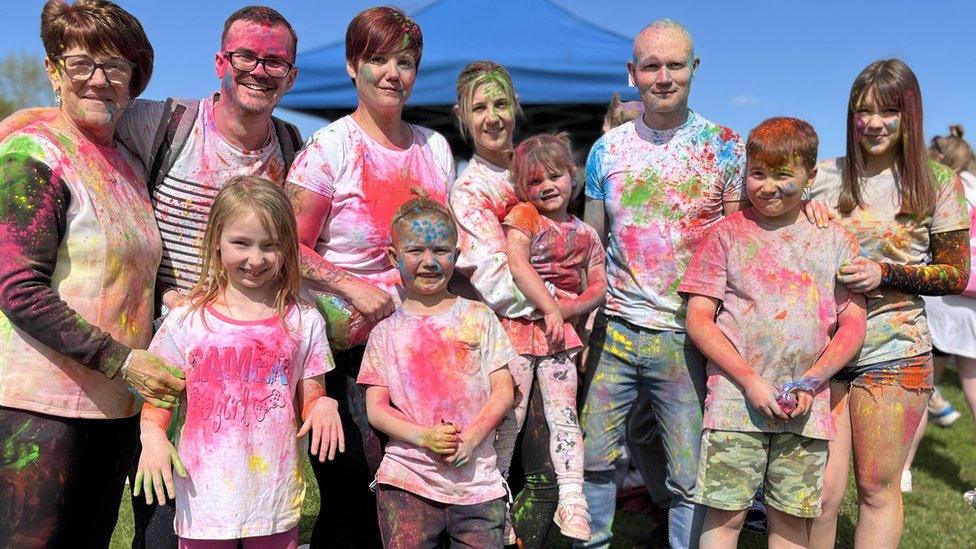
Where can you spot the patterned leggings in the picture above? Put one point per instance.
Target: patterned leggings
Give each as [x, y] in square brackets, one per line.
[556, 375]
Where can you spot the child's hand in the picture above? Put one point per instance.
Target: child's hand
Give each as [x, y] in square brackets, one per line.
[156, 464]
[567, 307]
[804, 401]
[322, 418]
[554, 328]
[442, 439]
[761, 395]
[461, 455]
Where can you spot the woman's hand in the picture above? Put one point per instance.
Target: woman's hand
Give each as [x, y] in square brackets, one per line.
[156, 464]
[322, 419]
[158, 382]
[861, 275]
[818, 212]
[761, 395]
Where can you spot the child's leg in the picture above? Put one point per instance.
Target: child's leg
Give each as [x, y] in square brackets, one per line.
[786, 531]
[508, 430]
[282, 540]
[408, 520]
[721, 528]
[557, 382]
[478, 525]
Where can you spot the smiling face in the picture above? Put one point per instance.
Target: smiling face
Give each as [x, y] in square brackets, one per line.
[250, 256]
[662, 70]
[255, 92]
[95, 103]
[776, 192]
[878, 126]
[491, 119]
[384, 81]
[549, 190]
[424, 251]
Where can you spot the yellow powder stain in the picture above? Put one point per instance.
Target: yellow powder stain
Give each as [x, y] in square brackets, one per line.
[256, 464]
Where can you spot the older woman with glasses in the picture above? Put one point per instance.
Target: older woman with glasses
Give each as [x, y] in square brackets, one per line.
[80, 252]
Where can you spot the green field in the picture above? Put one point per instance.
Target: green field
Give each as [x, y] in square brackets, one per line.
[936, 515]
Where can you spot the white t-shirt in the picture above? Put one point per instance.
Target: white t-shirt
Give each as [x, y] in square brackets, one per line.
[366, 183]
[238, 441]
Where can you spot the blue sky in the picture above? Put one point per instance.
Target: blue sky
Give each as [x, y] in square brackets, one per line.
[759, 58]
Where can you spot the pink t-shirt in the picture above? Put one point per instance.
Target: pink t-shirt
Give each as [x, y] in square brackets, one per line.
[560, 253]
[436, 368]
[780, 301]
[366, 184]
[238, 441]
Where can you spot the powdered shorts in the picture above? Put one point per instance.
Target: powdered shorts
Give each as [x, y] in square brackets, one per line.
[912, 373]
[789, 466]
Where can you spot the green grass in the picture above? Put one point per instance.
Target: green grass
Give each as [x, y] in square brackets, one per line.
[936, 516]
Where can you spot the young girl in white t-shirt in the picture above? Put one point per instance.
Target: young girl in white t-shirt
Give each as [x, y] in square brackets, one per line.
[254, 356]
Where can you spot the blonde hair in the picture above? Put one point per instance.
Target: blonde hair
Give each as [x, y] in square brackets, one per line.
[956, 152]
[620, 112]
[475, 75]
[241, 195]
[535, 155]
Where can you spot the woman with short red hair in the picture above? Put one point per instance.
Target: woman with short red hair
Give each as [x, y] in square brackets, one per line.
[345, 187]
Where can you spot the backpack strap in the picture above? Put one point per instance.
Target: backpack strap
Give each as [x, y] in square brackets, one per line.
[289, 139]
[171, 135]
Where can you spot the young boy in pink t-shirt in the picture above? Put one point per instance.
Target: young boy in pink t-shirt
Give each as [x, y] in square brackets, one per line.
[767, 311]
[438, 384]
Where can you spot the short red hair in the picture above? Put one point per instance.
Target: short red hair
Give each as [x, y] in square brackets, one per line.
[782, 140]
[539, 155]
[382, 30]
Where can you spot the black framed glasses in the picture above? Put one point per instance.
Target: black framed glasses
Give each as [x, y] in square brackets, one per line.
[247, 62]
[80, 68]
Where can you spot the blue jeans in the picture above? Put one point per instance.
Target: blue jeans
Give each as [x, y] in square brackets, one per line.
[624, 358]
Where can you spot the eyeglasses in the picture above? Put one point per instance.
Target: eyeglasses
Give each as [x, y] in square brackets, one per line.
[81, 68]
[247, 62]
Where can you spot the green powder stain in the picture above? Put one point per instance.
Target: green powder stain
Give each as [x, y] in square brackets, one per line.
[17, 454]
[69, 145]
[405, 42]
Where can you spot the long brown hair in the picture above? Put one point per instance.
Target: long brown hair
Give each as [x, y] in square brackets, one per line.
[893, 84]
[241, 195]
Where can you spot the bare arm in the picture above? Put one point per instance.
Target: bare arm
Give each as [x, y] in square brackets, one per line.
[311, 211]
[532, 285]
[498, 404]
[320, 415]
[713, 344]
[441, 439]
[595, 215]
[592, 296]
[846, 342]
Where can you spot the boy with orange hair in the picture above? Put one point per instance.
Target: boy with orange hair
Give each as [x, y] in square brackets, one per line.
[766, 310]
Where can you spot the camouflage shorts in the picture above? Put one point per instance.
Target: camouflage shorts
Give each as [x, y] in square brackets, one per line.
[733, 465]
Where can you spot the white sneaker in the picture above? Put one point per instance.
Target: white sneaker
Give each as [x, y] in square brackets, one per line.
[971, 497]
[941, 411]
[906, 482]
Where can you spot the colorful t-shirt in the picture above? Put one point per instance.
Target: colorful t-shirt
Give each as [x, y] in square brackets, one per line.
[661, 190]
[238, 441]
[780, 301]
[80, 252]
[480, 199]
[897, 327]
[366, 183]
[436, 368]
[182, 200]
[560, 253]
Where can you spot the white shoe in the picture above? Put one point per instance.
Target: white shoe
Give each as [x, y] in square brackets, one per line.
[906, 482]
[971, 497]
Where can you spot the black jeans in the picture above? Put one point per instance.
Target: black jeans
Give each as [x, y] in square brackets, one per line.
[347, 517]
[536, 502]
[61, 479]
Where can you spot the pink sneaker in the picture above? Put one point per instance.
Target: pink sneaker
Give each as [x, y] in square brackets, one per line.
[573, 519]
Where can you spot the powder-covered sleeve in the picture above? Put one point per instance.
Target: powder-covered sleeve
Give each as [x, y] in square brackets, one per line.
[732, 156]
[523, 218]
[317, 166]
[379, 351]
[34, 203]
[167, 343]
[315, 345]
[947, 274]
[707, 271]
[483, 255]
[596, 171]
[496, 349]
[951, 208]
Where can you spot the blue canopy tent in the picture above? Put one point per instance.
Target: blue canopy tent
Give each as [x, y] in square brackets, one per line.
[565, 69]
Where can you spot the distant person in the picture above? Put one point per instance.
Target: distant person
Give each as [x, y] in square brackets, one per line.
[255, 358]
[345, 187]
[766, 270]
[952, 319]
[436, 379]
[81, 249]
[653, 187]
[909, 216]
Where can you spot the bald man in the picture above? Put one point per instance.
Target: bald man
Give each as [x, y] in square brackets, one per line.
[653, 186]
